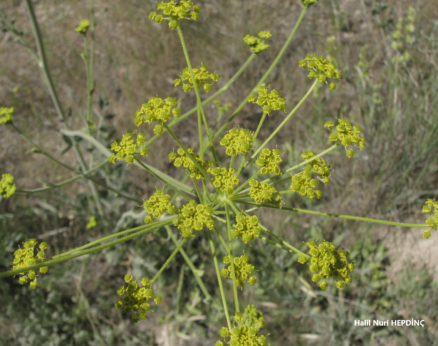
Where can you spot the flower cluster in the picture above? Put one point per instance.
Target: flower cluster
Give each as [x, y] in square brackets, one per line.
[201, 75]
[6, 115]
[25, 257]
[247, 227]
[345, 136]
[185, 161]
[304, 184]
[237, 141]
[193, 216]
[246, 333]
[157, 110]
[321, 68]
[7, 188]
[255, 44]
[156, 205]
[127, 148]
[224, 179]
[83, 27]
[268, 102]
[330, 262]
[432, 221]
[136, 298]
[242, 268]
[309, 3]
[261, 192]
[319, 166]
[269, 161]
[175, 11]
[91, 223]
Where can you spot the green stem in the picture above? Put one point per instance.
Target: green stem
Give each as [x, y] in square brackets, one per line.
[152, 226]
[80, 254]
[267, 73]
[219, 279]
[65, 182]
[151, 169]
[283, 123]
[162, 179]
[233, 272]
[168, 260]
[334, 215]
[80, 175]
[211, 98]
[45, 70]
[194, 270]
[17, 35]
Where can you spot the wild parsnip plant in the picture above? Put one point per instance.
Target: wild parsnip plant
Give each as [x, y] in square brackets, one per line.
[216, 198]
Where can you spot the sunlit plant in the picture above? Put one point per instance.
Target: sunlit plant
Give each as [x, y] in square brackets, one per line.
[217, 194]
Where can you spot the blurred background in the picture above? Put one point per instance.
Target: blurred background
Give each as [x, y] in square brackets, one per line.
[388, 53]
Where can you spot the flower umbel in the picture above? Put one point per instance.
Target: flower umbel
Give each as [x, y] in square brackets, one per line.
[25, 257]
[92, 223]
[432, 221]
[320, 68]
[136, 298]
[261, 192]
[269, 160]
[330, 262]
[247, 227]
[255, 44]
[345, 136]
[83, 27]
[224, 179]
[6, 115]
[7, 188]
[201, 75]
[242, 268]
[157, 204]
[157, 110]
[246, 330]
[237, 141]
[269, 102]
[193, 216]
[175, 11]
[185, 161]
[127, 148]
